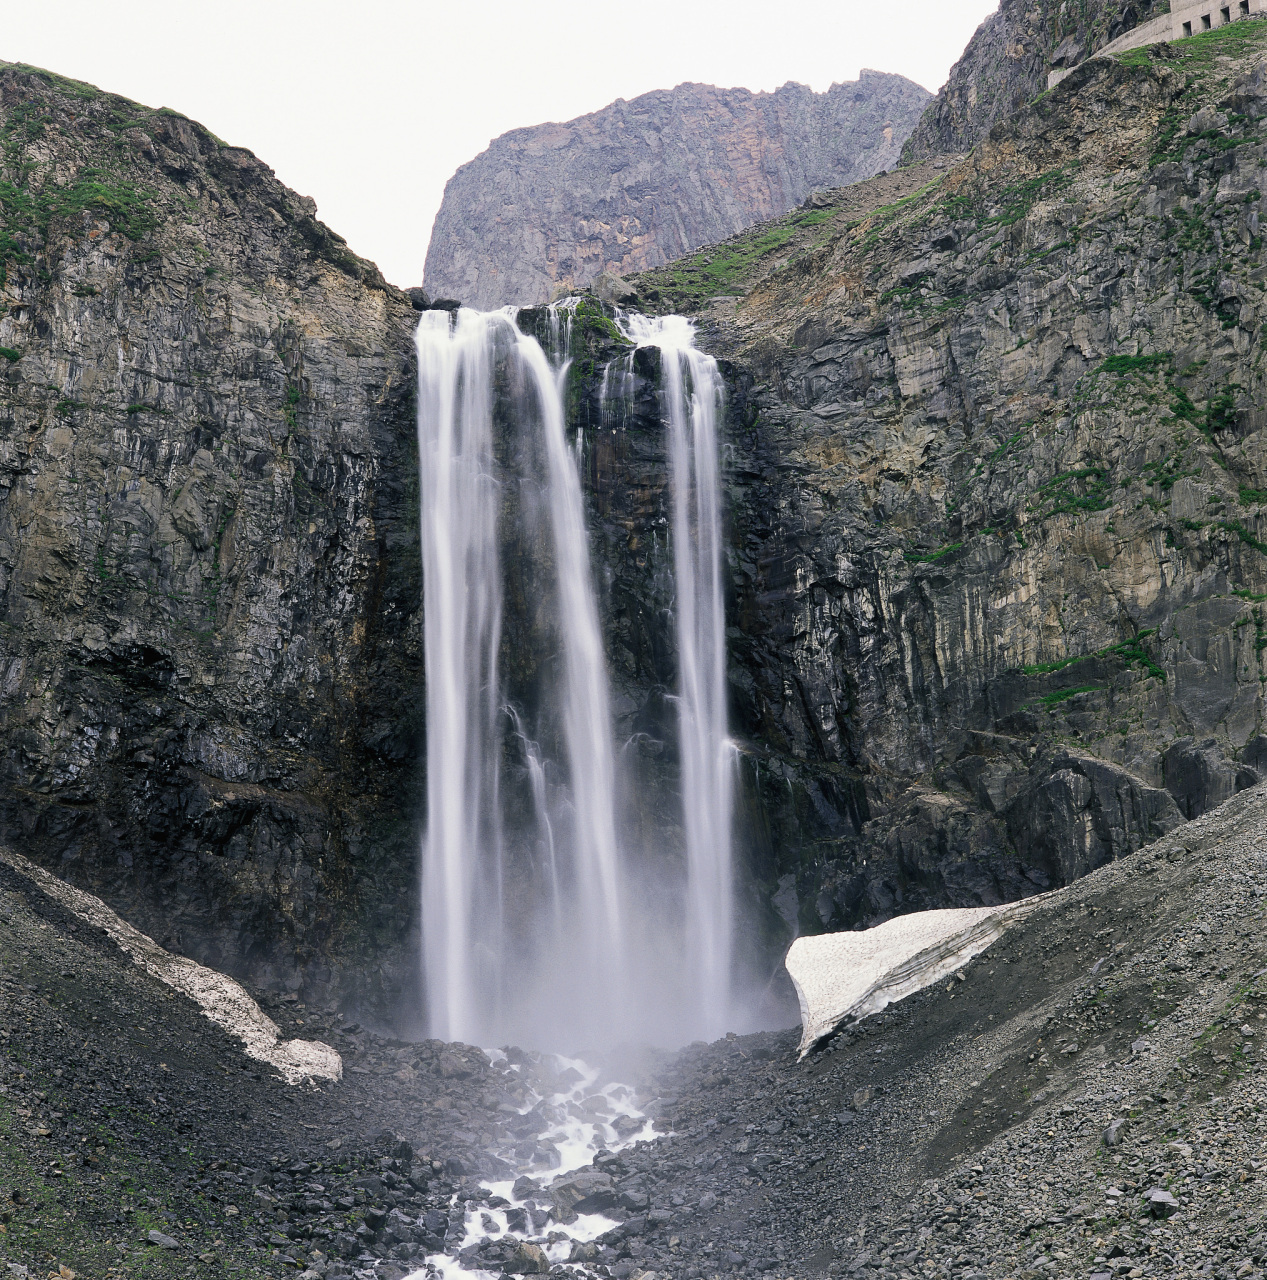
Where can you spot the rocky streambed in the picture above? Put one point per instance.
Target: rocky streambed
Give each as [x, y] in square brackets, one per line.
[1084, 1098]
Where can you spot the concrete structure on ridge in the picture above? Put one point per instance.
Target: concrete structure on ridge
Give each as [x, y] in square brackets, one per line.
[1184, 20]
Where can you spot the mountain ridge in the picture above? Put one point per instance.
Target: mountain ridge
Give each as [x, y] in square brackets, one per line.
[644, 180]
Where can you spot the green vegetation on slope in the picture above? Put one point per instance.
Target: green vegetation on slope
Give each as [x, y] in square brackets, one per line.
[735, 265]
[1131, 651]
[34, 202]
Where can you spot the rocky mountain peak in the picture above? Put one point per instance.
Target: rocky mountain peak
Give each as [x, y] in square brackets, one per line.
[1007, 62]
[642, 182]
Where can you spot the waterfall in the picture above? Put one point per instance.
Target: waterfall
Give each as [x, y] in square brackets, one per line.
[587, 705]
[541, 919]
[462, 607]
[692, 395]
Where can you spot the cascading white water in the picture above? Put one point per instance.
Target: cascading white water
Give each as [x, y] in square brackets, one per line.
[472, 973]
[692, 396]
[555, 937]
[462, 607]
[587, 1113]
[539, 786]
[587, 703]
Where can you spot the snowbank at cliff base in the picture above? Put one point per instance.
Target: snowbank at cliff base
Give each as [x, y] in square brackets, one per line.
[844, 977]
[222, 1000]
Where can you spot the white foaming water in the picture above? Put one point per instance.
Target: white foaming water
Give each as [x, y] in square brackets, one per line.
[586, 1120]
[551, 961]
[555, 939]
[587, 704]
[692, 397]
[462, 604]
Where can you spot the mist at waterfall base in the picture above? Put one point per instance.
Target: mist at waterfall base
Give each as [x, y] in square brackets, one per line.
[550, 918]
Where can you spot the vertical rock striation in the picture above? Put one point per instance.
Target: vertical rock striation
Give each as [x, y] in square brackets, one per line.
[209, 581]
[640, 183]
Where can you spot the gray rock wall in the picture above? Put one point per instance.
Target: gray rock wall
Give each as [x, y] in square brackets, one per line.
[210, 680]
[640, 183]
[1007, 61]
[999, 490]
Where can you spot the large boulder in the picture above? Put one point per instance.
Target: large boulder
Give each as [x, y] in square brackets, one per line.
[588, 1191]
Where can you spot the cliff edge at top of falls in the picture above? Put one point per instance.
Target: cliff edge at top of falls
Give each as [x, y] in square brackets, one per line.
[998, 487]
[639, 183]
[210, 676]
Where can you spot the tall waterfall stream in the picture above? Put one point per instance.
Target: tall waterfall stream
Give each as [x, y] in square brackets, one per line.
[551, 928]
[541, 929]
[692, 392]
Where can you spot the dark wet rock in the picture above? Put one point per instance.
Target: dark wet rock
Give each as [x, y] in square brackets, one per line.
[223, 619]
[1200, 776]
[1081, 812]
[457, 1066]
[525, 1187]
[587, 1187]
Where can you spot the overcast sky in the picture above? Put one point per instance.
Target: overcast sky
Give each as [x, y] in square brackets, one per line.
[369, 107]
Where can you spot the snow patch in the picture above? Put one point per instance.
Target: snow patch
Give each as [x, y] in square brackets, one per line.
[845, 977]
[220, 998]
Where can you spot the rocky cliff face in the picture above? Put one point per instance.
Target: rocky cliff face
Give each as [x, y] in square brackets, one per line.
[999, 492]
[1007, 62]
[998, 495]
[210, 682]
[640, 183]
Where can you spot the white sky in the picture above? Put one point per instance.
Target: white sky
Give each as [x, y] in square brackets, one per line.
[369, 107]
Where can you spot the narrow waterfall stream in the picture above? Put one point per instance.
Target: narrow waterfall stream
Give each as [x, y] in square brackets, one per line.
[544, 922]
[692, 393]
